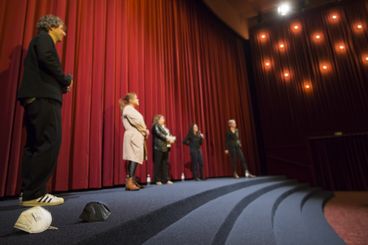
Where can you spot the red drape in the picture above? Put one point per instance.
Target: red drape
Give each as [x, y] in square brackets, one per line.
[180, 59]
[311, 80]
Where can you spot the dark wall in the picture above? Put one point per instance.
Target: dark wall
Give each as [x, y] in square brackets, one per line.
[310, 87]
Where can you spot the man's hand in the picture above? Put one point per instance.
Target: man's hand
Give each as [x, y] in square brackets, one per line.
[226, 152]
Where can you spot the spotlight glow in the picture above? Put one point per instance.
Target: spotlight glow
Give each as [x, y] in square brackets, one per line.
[296, 27]
[284, 9]
[325, 67]
[365, 59]
[263, 36]
[307, 86]
[286, 75]
[333, 17]
[358, 27]
[341, 47]
[317, 37]
[267, 64]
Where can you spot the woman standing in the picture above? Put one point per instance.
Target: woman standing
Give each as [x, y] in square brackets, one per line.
[162, 140]
[134, 151]
[234, 149]
[194, 140]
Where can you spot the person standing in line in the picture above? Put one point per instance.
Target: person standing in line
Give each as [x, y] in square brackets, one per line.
[135, 135]
[194, 140]
[234, 149]
[162, 141]
[41, 94]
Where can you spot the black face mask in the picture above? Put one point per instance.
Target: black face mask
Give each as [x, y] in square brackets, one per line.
[95, 211]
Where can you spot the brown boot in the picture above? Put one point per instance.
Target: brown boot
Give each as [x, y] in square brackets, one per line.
[130, 185]
[137, 184]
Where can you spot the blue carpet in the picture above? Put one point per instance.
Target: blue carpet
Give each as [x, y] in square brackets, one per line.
[205, 212]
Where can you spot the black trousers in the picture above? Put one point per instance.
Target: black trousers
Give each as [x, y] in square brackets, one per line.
[43, 125]
[197, 163]
[236, 154]
[160, 162]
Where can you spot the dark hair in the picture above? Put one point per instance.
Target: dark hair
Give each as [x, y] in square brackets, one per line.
[191, 130]
[45, 23]
[126, 100]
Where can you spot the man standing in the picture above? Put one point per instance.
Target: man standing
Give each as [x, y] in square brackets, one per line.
[233, 147]
[40, 93]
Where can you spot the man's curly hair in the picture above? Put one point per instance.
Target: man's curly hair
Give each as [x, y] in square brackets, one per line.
[45, 23]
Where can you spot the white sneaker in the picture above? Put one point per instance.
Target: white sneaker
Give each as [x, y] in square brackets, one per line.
[249, 175]
[45, 200]
[169, 182]
[158, 183]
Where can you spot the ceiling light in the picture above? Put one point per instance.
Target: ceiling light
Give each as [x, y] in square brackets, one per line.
[284, 9]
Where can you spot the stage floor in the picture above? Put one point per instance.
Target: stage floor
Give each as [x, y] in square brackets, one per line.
[155, 215]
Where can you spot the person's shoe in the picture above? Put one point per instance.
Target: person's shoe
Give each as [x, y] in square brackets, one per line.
[249, 175]
[158, 183]
[45, 200]
[130, 185]
[197, 179]
[137, 184]
[169, 182]
[236, 176]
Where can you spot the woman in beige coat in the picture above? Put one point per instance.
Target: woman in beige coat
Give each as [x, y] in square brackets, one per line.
[134, 150]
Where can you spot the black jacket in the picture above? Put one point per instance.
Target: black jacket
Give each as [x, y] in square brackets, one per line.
[43, 76]
[232, 140]
[159, 138]
[194, 141]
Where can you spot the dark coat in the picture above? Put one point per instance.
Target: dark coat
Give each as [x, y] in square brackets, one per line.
[43, 76]
[159, 138]
[232, 140]
[193, 141]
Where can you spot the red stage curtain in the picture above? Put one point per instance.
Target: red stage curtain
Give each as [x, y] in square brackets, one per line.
[298, 96]
[180, 59]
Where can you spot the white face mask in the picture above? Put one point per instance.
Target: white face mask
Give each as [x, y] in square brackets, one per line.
[34, 220]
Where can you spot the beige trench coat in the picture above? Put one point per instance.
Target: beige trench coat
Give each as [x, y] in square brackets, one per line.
[134, 135]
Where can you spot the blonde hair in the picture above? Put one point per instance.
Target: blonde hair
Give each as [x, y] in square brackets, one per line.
[231, 121]
[156, 118]
[126, 100]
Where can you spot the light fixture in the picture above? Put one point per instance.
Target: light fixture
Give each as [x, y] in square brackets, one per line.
[307, 86]
[333, 17]
[284, 8]
[296, 27]
[267, 64]
[325, 67]
[286, 75]
[263, 36]
[358, 27]
[365, 58]
[281, 46]
[340, 47]
[317, 37]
